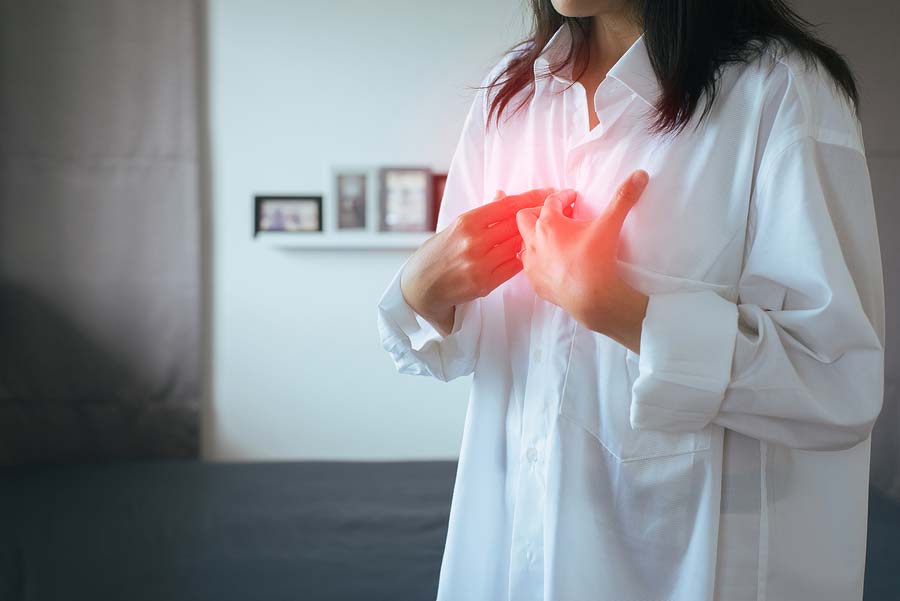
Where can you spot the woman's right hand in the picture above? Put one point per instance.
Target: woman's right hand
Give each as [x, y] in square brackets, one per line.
[468, 259]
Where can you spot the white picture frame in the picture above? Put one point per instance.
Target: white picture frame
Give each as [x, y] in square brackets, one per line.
[336, 199]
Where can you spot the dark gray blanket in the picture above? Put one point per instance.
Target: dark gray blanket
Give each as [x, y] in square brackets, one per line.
[308, 531]
[191, 530]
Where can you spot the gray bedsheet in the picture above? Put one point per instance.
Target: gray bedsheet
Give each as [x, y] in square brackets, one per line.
[190, 530]
[312, 531]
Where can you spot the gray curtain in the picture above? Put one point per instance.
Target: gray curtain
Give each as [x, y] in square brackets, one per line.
[99, 229]
[885, 466]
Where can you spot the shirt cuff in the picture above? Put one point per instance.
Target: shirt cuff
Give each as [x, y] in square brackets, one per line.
[405, 335]
[407, 323]
[687, 348]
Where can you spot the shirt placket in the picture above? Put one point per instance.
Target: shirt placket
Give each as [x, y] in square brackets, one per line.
[527, 549]
[540, 403]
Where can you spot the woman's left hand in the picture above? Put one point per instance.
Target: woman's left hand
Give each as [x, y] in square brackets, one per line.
[572, 263]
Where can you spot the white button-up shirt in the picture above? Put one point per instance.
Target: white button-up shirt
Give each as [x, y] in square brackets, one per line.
[729, 460]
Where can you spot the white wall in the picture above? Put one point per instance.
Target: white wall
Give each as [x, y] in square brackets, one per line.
[297, 371]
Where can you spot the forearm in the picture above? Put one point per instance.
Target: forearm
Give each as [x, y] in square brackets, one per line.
[417, 286]
[622, 321]
[442, 320]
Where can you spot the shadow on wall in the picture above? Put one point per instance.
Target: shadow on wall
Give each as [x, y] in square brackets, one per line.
[63, 397]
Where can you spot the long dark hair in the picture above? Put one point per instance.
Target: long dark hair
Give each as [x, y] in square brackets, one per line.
[688, 42]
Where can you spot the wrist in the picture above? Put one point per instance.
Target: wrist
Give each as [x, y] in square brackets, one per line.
[620, 318]
[626, 329]
[439, 316]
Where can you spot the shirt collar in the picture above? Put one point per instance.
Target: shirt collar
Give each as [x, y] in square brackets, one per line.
[633, 68]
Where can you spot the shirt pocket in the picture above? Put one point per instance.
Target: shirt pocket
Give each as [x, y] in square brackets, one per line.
[600, 373]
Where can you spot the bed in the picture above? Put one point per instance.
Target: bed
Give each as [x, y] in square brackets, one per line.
[256, 531]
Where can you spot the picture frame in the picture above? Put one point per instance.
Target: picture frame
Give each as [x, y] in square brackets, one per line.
[287, 214]
[368, 219]
[351, 198]
[438, 183]
[405, 199]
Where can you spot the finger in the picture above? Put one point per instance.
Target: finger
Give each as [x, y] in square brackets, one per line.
[500, 231]
[509, 205]
[503, 252]
[625, 198]
[500, 194]
[556, 203]
[525, 220]
[504, 271]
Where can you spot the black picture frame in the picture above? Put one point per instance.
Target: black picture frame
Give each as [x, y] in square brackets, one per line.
[260, 200]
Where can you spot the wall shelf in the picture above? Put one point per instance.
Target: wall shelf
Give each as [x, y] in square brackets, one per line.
[344, 240]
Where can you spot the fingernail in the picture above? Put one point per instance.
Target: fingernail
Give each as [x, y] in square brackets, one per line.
[640, 177]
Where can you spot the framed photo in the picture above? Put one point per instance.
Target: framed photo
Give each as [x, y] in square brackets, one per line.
[438, 183]
[287, 214]
[405, 199]
[350, 197]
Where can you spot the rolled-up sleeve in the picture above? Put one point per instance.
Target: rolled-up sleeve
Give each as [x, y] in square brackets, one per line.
[799, 359]
[687, 345]
[415, 346]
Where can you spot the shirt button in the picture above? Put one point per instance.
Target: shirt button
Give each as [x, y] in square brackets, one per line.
[531, 454]
[528, 555]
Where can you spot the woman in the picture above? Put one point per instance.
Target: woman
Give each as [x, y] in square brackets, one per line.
[675, 326]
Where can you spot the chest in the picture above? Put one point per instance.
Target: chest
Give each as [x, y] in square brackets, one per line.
[689, 223]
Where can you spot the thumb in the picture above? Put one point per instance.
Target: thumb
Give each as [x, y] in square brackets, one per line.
[625, 197]
[525, 220]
